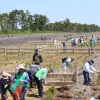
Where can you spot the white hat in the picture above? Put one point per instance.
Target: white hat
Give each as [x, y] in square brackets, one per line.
[5, 75]
[20, 66]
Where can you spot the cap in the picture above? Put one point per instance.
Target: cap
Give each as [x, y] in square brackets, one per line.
[91, 61]
[52, 69]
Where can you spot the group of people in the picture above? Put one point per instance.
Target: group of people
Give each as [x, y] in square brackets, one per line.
[23, 77]
[87, 69]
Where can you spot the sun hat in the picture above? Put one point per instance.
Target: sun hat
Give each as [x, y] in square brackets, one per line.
[5, 75]
[20, 66]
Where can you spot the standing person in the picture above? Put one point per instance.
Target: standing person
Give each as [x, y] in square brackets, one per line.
[24, 79]
[66, 62]
[75, 41]
[41, 75]
[54, 42]
[37, 57]
[6, 80]
[88, 68]
[81, 41]
[64, 45]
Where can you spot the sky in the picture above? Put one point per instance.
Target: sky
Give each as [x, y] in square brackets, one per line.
[78, 11]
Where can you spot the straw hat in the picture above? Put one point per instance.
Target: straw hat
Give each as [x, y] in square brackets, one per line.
[5, 75]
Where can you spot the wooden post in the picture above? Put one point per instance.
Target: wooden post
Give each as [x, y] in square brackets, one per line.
[42, 50]
[2, 70]
[58, 51]
[36, 43]
[20, 50]
[47, 42]
[28, 42]
[5, 50]
[73, 50]
[90, 50]
[76, 75]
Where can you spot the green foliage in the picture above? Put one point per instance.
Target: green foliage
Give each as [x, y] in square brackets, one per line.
[95, 57]
[98, 78]
[39, 24]
[82, 66]
[67, 78]
[61, 81]
[50, 93]
[79, 91]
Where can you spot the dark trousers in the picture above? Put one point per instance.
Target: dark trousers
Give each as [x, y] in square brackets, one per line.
[39, 85]
[87, 78]
[4, 91]
[31, 83]
[37, 63]
[22, 96]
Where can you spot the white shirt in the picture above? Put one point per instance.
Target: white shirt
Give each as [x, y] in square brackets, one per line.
[67, 60]
[55, 41]
[89, 68]
[76, 41]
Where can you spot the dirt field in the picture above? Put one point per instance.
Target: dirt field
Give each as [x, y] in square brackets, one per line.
[72, 92]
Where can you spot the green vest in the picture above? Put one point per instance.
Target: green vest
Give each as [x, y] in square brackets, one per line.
[92, 44]
[40, 73]
[22, 77]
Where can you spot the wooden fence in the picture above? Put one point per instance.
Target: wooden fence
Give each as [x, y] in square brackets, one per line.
[43, 49]
[56, 78]
[40, 42]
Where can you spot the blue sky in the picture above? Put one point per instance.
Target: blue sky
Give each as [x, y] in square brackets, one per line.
[80, 11]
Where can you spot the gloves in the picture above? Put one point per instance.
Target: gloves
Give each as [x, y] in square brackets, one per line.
[44, 81]
[21, 81]
[14, 80]
[39, 79]
[5, 85]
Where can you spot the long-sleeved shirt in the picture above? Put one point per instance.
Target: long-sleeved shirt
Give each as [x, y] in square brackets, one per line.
[25, 81]
[6, 81]
[31, 74]
[67, 62]
[89, 68]
[35, 67]
[37, 58]
[42, 74]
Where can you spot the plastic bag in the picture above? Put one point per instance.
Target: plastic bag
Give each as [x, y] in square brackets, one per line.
[17, 93]
[14, 86]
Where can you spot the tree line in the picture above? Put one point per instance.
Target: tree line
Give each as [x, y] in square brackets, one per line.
[22, 21]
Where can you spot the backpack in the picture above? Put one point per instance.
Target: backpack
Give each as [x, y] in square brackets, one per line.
[64, 59]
